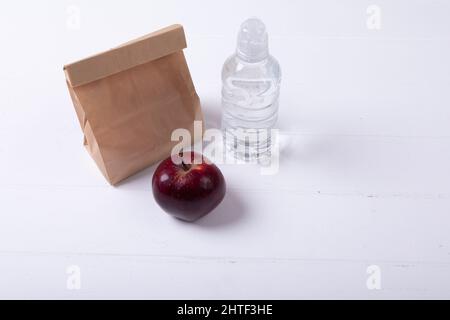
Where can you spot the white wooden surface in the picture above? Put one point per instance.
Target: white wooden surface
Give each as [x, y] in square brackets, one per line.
[364, 177]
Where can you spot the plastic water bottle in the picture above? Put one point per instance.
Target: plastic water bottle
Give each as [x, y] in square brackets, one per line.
[251, 86]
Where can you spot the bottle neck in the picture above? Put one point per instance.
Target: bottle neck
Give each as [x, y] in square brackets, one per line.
[252, 57]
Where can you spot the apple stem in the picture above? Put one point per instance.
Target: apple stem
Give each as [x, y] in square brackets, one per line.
[185, 166]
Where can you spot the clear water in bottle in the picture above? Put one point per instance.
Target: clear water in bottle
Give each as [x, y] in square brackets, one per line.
[251, 85]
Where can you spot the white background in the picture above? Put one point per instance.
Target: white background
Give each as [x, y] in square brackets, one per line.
[365, 168]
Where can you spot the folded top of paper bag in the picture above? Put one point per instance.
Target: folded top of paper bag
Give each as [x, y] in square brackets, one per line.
[134, 53]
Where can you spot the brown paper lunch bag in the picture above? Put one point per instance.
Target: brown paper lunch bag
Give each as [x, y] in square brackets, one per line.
[130, 99]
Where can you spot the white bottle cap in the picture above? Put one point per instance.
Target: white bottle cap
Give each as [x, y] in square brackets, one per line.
[253, 41]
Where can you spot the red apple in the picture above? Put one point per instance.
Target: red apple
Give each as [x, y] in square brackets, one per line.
[188, 190]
